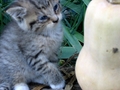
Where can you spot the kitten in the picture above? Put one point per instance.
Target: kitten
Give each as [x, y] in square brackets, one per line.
[29, 45]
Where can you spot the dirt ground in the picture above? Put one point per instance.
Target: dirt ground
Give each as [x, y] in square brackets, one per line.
[68, 70]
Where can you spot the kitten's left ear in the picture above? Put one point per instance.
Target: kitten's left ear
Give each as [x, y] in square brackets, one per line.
[17, 12]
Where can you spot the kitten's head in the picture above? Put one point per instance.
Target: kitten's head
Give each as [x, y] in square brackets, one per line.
[35, 14]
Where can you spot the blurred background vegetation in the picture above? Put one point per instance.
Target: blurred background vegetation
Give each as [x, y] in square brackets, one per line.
[73, 17]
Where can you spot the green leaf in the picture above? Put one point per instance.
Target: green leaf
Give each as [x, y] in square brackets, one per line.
[73, 41]
[79, 36]
[76, 8]
[66, 52]
[86, 2]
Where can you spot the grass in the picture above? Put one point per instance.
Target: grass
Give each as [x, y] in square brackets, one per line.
[73, 18]
[4, 18]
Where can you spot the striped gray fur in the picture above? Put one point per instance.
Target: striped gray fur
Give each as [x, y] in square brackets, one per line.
[29, 45]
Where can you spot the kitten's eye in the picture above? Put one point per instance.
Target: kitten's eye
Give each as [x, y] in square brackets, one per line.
[44, 18]
[55, 7]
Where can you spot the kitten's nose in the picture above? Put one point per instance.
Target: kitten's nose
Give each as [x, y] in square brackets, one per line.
[56, 20]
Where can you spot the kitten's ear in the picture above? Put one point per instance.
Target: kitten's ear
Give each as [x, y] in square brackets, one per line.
[17, 12]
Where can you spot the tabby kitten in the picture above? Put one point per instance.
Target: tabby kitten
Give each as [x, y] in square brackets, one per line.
[29, 45]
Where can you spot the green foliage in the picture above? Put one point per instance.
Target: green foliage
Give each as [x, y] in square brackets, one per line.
[73, 17]
[4, 18]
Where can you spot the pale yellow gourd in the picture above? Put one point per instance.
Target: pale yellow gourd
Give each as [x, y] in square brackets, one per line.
[98, 64]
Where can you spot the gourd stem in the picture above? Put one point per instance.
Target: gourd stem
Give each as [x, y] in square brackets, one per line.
[114, 1]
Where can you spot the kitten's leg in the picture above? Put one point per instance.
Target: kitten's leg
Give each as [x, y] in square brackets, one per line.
[54, 59]
[54, 77]
[49, 72]
[4, 86]
[21, 86]
[44, 81]
[40, 80]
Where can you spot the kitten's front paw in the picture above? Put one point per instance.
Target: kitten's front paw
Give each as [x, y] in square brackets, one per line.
[58, 86]
[21, 86]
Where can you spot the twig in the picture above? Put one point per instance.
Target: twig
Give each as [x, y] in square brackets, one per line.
[69, 59]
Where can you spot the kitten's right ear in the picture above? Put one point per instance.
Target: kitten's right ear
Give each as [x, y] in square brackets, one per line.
[17, 12]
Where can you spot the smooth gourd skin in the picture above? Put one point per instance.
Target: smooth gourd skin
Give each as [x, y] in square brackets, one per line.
[98, 64]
